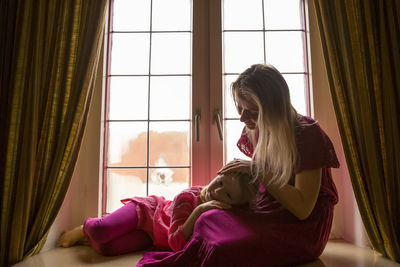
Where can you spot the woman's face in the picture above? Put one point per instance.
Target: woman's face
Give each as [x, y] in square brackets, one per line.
[224, 188]
[248, 112]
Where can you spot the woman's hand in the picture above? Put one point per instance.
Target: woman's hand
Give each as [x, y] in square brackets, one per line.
[236, 165]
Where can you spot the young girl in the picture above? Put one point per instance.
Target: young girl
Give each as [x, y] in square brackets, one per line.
[166, 224]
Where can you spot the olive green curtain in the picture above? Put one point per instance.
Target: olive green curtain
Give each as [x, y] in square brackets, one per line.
[49, 53]
[361, 43]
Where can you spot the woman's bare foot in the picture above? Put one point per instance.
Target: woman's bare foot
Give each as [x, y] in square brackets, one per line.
[72, 237]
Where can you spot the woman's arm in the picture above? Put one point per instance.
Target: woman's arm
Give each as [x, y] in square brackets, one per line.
[299, 199]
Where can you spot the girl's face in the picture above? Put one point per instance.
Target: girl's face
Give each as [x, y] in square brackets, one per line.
[248, 112]
[224, 188]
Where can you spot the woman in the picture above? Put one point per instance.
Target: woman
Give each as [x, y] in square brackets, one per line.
[290, 154]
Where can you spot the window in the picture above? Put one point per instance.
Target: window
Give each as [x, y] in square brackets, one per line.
[149, 86]
[170, 121]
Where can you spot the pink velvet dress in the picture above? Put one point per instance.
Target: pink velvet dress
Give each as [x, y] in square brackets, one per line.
[156, 216]
[272, 236]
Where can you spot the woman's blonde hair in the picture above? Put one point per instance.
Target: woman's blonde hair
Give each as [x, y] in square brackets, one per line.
[275, 150]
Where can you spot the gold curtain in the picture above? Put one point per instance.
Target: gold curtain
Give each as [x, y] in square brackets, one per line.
[49, 52]
[361, 43]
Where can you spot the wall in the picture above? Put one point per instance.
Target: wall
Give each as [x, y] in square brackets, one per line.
[347, 221]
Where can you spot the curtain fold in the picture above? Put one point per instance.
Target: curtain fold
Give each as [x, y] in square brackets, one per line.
[360, 40]
[48, 59]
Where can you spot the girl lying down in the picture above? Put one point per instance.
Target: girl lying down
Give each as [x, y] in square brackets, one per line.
[165, 224]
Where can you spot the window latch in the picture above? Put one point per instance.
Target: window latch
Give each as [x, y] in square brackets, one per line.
[197, 118]
[217, 119]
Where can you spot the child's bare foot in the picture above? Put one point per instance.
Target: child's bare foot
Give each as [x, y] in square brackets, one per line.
[71, 237]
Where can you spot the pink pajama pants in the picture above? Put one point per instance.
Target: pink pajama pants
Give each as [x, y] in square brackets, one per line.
[116, 233]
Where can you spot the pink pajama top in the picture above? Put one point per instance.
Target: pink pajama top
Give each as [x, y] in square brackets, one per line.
[157, 216]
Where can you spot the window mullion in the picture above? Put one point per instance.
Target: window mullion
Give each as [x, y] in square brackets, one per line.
[200, 93]
[216, 93]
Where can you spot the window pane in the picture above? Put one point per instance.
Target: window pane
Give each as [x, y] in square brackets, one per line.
[234, 128]
[171, 15]
[128, 98]
[130, 53]
[170, 98]
[241, 50]
[285, 51]
[171, 53]
[124, 183]
[127, 144]
[282, 14]
[296, 83]
[243, 15]
[169, 143]
[229, 104]
[168, 182]
[131, 15]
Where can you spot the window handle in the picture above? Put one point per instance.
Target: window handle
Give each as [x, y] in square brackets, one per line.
[197, 118]
[217, 119]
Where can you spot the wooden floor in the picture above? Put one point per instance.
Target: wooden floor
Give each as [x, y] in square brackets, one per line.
[336, 254]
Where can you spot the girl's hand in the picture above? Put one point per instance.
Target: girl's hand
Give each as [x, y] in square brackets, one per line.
[188, 226]
[213, 204]
[236, 165]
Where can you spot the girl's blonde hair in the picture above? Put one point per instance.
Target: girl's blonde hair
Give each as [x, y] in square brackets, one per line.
[275, 151]
[249, 188]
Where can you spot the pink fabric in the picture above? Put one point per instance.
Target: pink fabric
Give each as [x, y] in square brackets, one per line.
[157, 216]
[272, 236]
[116, 233]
